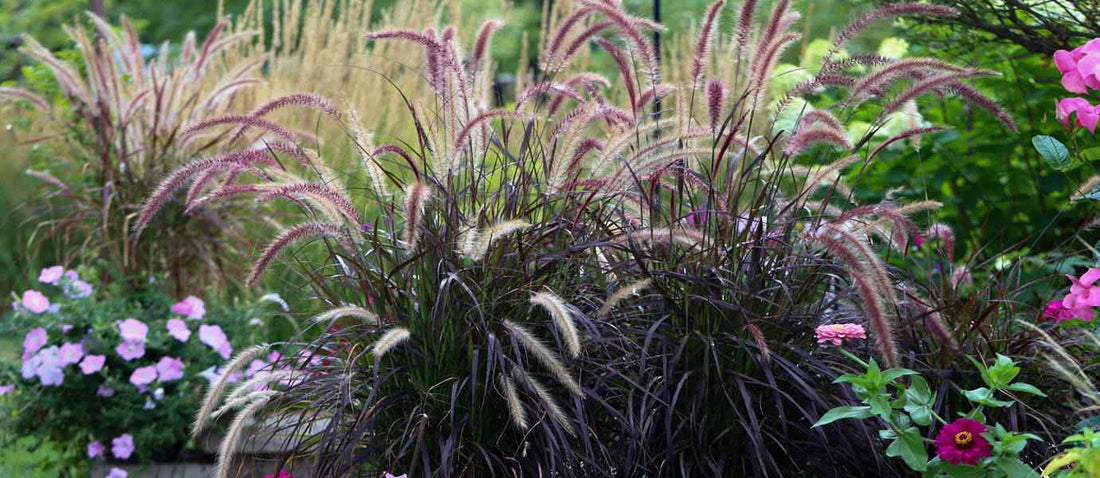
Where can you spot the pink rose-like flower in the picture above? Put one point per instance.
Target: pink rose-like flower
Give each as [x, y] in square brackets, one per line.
[35, 301]
[33, 341]
[6, 389]
[191, 306]
[214, 337]
[51, 275]
[838, 333]
[133, 330]
[71, 353]
[1083, 296]
[1079, 67]
[169, 369]
[92, 364]
[144, 375]
[117, 473]
[178, 330]
[961, 442]
[96, 449]
[1087, 115]
[130, 350]
[122, 446]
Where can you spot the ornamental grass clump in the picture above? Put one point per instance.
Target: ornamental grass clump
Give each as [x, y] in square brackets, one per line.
[117, 121]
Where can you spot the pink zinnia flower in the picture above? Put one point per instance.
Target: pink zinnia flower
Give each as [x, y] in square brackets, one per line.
[35, 301]
[133, 330]
[51, 275]
[191, 306]
[96, 449]
[838, 333]
[33, 341]
[214, 337]
[178, 330]
[122, 446]
[117, 473]
[169, 369]
[144, 376]
[961, 442]
[130, 350]
[92, 364]
[71, 353]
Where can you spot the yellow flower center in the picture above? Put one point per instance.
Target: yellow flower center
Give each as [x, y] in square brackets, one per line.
[963, 438]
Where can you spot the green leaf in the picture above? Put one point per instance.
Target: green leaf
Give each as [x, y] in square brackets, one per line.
[895, 373]
[1091, 154]
[1014, 468]
[841, 413]
[963, 471]
[984, 396]
[1053, 151]
[909, 447]
[1025, 388]
[1002, 372]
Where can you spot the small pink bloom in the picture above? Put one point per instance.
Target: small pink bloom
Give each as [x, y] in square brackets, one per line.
[961, 442]
[178, 330]
[144, 376]
[838, 333]
[6, 389]
[117, 473]
[191, 306]
[133, 330]
[169, 369]
[71, 353]
[130, 350]
[214, 337]
[96, 449]
[105, 391]
[51, 275]
[33, 341]
[122, 446]
[92, 364]
[35, 301]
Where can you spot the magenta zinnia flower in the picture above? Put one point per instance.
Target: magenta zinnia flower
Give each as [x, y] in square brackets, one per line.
[961, 442]
[838, 333]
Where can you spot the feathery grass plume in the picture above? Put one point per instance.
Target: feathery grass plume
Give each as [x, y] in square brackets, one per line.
[976, 98]
[820, 116]
[807, 137]
[744, 28]
[944, 233]
[347, 311]
[662, 235]
[515, 406]
[868, 273]
[322, 194]
[217, 389]
[476, 243]
[628, 27]
[901, 9]
[478, 120]
[241, 120]
[366, 157]
[562, 318]
[20, 94]
[550, 62]
[824, 172]
[392, 338]
[551, 404]
[582, 39]
[878, 81]
[761, 341]
[560, 90]
[416, 195]
[909, 133]
[66, 76]
[228, 448]
[702, 44]
[654, 94]
[918, 207]
[482, 44]
[243, 399]
[933, 321]
[626, 72]
[254, 384]
[716, 97]
[544, 355]
[1087, 187]
[311, 229]
[307, 100]
[931, 84]
[621, 294]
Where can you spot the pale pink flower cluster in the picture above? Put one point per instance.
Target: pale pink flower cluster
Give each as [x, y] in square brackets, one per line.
[838, 333]
[1083, 295]
[1079, 68]
[192, 307]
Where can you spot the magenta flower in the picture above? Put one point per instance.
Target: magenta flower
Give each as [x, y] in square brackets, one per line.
[1057, 312]
[280, 474]
[169, 369]
[122, 446]
[92, 364]
[1079, 67]
[1087, 114]
[33, 341]
[838, 333]
[35, 301]
[130, 350]
[178, 330]
[191, 306]
[133, 330]
[961, 442]
[144, 376]
[6, 389]
[71, 353]
[214, 337]
[96, 449]
[51, 275]
[1083, 295]
[117, 473]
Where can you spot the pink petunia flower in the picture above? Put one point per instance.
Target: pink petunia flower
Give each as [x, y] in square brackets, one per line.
[35, 301]
[122, 446]
[71, 353]
[92, 364]
[838, 333]
[133, 330]
[117, 473]
[191, 306]
[178, 330]
[6, 389]
[78, 290]
[214, 337]
[130, 350]
[105, 391]
[961, 442]
[96, 449]
[144, 375]
[51, 275]
[33, 341]
[169, 369]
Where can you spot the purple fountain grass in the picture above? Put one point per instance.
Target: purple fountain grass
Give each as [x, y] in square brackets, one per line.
[241, 120]
[807, 137]
[482, 44]
[931, 84]
[976, 98]
[943, 232]
[933, 321]
[322, 193]
[716, 98]
[628, 27]
[626, 72]
[551, 63]
[547, 87]
[416, 196]
[308, 230]
[896, 10]
[480, 119]
[703, 41]
[744, 27]
[18, 93]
